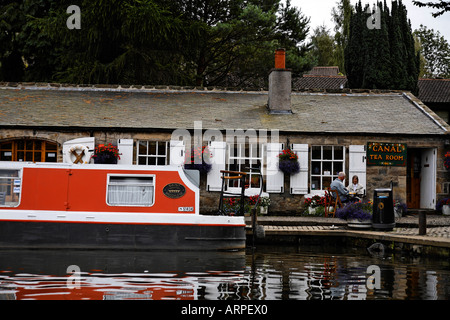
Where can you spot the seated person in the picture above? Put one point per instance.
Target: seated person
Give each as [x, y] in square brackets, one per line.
[338, 185]
[355, 187]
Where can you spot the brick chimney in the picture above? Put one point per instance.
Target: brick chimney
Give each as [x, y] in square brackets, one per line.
[280, 86]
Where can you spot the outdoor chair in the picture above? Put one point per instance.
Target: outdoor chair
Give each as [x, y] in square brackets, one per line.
[334, 201]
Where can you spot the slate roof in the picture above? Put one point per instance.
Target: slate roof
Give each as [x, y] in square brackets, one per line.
[434, 90]
[320, 82]
[324, 71]
[321, 78]
[144, 108]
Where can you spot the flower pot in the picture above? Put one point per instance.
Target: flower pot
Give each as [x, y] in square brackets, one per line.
[202, 167]
[446, 210]
[398, 213]
[105, 158]
[358, 224]
[263, 210]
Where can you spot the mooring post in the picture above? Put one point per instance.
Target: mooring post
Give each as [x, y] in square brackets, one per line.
[253, 211]
[422, 222]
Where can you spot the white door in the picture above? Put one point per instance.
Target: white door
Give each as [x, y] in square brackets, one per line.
[357, 166]
[428, 179]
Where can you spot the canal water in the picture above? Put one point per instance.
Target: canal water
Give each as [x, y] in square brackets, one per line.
[264, 273]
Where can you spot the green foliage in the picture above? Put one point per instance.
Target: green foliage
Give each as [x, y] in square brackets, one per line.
[441, 5]
[384, 57]
[179, 42]
[435, 51]
[323, 47]
[341, 16]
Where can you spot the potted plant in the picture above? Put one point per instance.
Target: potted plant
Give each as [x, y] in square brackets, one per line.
[357, 214]
[400, 208]
[447, 160]
[231, 206]
[444, 206]
[196, 160]
[314, 204]
[106, 154]
[288, 162]
[264, 204]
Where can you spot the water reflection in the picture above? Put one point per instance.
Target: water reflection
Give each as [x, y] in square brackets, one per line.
[267, 273]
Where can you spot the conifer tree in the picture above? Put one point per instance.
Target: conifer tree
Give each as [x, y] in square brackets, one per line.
[383, 56]
[354, 52]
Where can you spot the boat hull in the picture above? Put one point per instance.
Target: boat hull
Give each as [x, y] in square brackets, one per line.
[121, 236]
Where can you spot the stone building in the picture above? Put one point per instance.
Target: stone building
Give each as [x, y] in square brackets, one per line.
[330, 131]
[321, 78]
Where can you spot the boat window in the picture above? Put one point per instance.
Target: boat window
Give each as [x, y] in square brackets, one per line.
[10, 188]
[125, 190]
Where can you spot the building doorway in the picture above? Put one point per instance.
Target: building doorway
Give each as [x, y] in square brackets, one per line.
[31, 150]
[421, 178]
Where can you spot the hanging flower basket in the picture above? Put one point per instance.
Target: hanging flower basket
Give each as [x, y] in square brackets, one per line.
[196, 160]
[108, 154]
[447, 160]
[288, 162]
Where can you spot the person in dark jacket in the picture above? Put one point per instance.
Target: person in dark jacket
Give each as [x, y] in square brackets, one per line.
[338, 185]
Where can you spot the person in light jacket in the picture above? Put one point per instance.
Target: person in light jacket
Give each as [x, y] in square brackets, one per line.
[356, 187]
[338, 185]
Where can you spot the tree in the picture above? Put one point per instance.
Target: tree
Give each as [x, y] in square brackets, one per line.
[179, 42]
[292, 28]
[341, 17]
[239, 38]
[323, 47]
[435, 51]
[25, 53]
[377, 50]
[442, 6]
[383, 56]
[354, 51]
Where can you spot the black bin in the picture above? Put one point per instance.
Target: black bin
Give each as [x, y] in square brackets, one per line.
[383, 209]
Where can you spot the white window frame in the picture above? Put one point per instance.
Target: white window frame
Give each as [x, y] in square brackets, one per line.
[333, 173]
[156, 156]
[109, 183]
[16, 182]
[238, 158]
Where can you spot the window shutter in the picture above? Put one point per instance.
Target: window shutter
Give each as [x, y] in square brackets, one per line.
[218, 151]
[357, 165]
[274, 177]
[125, 147]
[299, 181]
[177, 153]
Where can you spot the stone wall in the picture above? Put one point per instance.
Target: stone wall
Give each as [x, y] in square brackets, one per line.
[285, 203]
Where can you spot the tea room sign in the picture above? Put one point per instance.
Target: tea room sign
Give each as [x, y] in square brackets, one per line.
[386, 154]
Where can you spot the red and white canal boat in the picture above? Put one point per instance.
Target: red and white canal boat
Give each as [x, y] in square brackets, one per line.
[94, 206]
